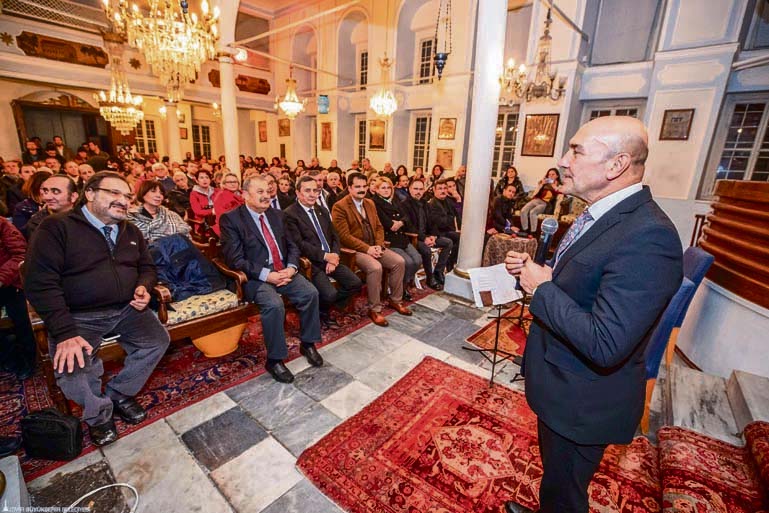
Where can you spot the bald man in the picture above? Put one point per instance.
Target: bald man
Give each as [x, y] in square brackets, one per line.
[595, 305]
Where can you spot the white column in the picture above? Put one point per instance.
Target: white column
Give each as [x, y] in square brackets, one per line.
[489, 56]
[229, 114]
[172, 133]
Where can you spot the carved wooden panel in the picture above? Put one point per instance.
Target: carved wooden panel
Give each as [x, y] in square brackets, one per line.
[737, 234]
[244, 83]
[46, 47]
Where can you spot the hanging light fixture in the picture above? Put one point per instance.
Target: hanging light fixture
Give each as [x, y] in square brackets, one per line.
[440, 58]
[118, 106]
[383, 103]
[543, 86]
[174, 42]
[290, 104]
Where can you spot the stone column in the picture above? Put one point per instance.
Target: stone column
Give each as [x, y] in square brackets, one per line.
[172, 133]
[229, 114]
[489, 57]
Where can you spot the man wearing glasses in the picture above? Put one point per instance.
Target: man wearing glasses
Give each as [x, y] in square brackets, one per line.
[88, 277]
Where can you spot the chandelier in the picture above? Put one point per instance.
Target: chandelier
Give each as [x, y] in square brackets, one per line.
[118, 106]
[290, 104]
[543, 86]
[163, 111]
[383, 103]
[440, 58]
[174, 42]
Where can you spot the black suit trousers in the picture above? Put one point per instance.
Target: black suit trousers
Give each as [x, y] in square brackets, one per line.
[568, 468]
[349, 285]
[445, 245]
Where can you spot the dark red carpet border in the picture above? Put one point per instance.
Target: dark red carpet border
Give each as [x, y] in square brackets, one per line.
[441, 441]
[182, 378]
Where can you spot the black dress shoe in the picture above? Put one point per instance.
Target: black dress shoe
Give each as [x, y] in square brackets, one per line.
[9, 445]
[327, 321]
[280, 372]
[129, 410]
[439, 277]
[407, 296]
[312, 355]
[433, 284]
[103, 434]
[512, 507]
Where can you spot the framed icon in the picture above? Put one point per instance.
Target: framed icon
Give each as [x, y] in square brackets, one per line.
[183, 133]
[676, 124]
[376, 135]
[284, 127]
[539, 135]
[447, 128]
[325, 136]
[445, 157]
[262, 131]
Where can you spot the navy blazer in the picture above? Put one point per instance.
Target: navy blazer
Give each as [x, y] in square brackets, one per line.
[585, 354]
[302, 232]
[245, 249]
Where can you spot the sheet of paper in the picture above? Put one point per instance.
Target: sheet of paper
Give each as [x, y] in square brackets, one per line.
[494, 279]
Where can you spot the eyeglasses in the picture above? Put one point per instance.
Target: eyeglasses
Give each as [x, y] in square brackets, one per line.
[115, 193]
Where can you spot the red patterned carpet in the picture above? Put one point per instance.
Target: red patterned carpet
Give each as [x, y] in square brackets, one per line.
[441, 441]
[512, 339]
[183, 377]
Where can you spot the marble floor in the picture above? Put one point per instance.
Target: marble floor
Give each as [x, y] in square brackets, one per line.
[236, 451]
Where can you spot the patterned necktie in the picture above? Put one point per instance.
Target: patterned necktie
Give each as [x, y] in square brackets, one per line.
[321, 236]
[572, 234]
[277, 263]
[108, 235]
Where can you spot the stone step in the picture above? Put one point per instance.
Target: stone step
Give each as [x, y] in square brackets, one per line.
[16, 497]
[749, 397]
[699, 402]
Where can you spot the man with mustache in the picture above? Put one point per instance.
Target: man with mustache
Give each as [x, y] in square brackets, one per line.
[59, 193]
[89, 275]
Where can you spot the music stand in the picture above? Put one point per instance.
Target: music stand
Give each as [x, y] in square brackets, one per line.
[518, 360]
[495, 351]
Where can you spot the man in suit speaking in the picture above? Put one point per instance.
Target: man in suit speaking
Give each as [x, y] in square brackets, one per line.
[254, 241]
[594, 307]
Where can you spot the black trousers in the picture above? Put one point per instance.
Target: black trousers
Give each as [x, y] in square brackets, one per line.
[425, 252]
[568, 468]
[349, 285]
[20, 355]
[454, 237]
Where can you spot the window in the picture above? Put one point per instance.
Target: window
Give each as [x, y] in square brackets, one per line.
[426, 62]
[601, 108]
[421, 146]
[146, 141]
[504, 142]
[599, 113]
[741, 147]
[201, 140]
[361, 139]
[758, 36]
[363, 71]
[633, 39]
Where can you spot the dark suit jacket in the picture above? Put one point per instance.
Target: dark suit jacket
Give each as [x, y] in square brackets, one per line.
[441, 216]
[302, 232]
[388, 213]
[245, 249]
[585, 355]
[416, 218]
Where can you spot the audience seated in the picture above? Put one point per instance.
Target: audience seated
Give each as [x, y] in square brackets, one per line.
[334, 186]
[202, 198]
[254, 241]
[454, 199]
[402, 187]
[503, 211]
[178, 198]
[310, 226]
[323, 194]
[32, 154]
[461, 178]
[151, 217]
[59, 194]
[416, 212]
[356, 221]
[89, 275]
[25, 209]
[511, 178]
[436, 175]
[286, 192]
[161, 175]
[394, 221]
[442, 217]
[10, 185]
[229, 198]
[543, 199]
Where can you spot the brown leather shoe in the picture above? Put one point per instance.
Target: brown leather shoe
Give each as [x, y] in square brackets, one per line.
[399, 307]
[377, 318]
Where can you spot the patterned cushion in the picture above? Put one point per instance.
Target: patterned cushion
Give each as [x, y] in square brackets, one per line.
[704, 475]
[757, 437]
[200, 306]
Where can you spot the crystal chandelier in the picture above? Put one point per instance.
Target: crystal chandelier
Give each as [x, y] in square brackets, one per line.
[290, 104]
[118, 106]
[383, 103]
[516, 81]
[163, 111]
[174, 42]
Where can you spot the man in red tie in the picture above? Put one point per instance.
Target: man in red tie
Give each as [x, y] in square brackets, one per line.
[255, 242]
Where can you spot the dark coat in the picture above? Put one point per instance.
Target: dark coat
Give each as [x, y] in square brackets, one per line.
[13, 248]
[302, 231]
[388, 213]
[584, 361]
[183, 268]
[441, 216]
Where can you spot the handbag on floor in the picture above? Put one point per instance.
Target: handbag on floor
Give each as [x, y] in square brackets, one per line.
[52, 435]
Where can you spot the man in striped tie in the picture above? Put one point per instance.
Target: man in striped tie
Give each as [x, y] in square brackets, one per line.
[595, 305]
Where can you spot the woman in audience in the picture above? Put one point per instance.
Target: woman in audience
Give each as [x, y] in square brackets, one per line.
[25, 209]
[511, 177]
[202, 199]
[401, 171]
[286, 194]
[419, 174]
[228, 198]
[394, 220]
[373, 186]
[218, 176]
[546, 194]
[276, 169]
[151, 217]
[435, 175]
